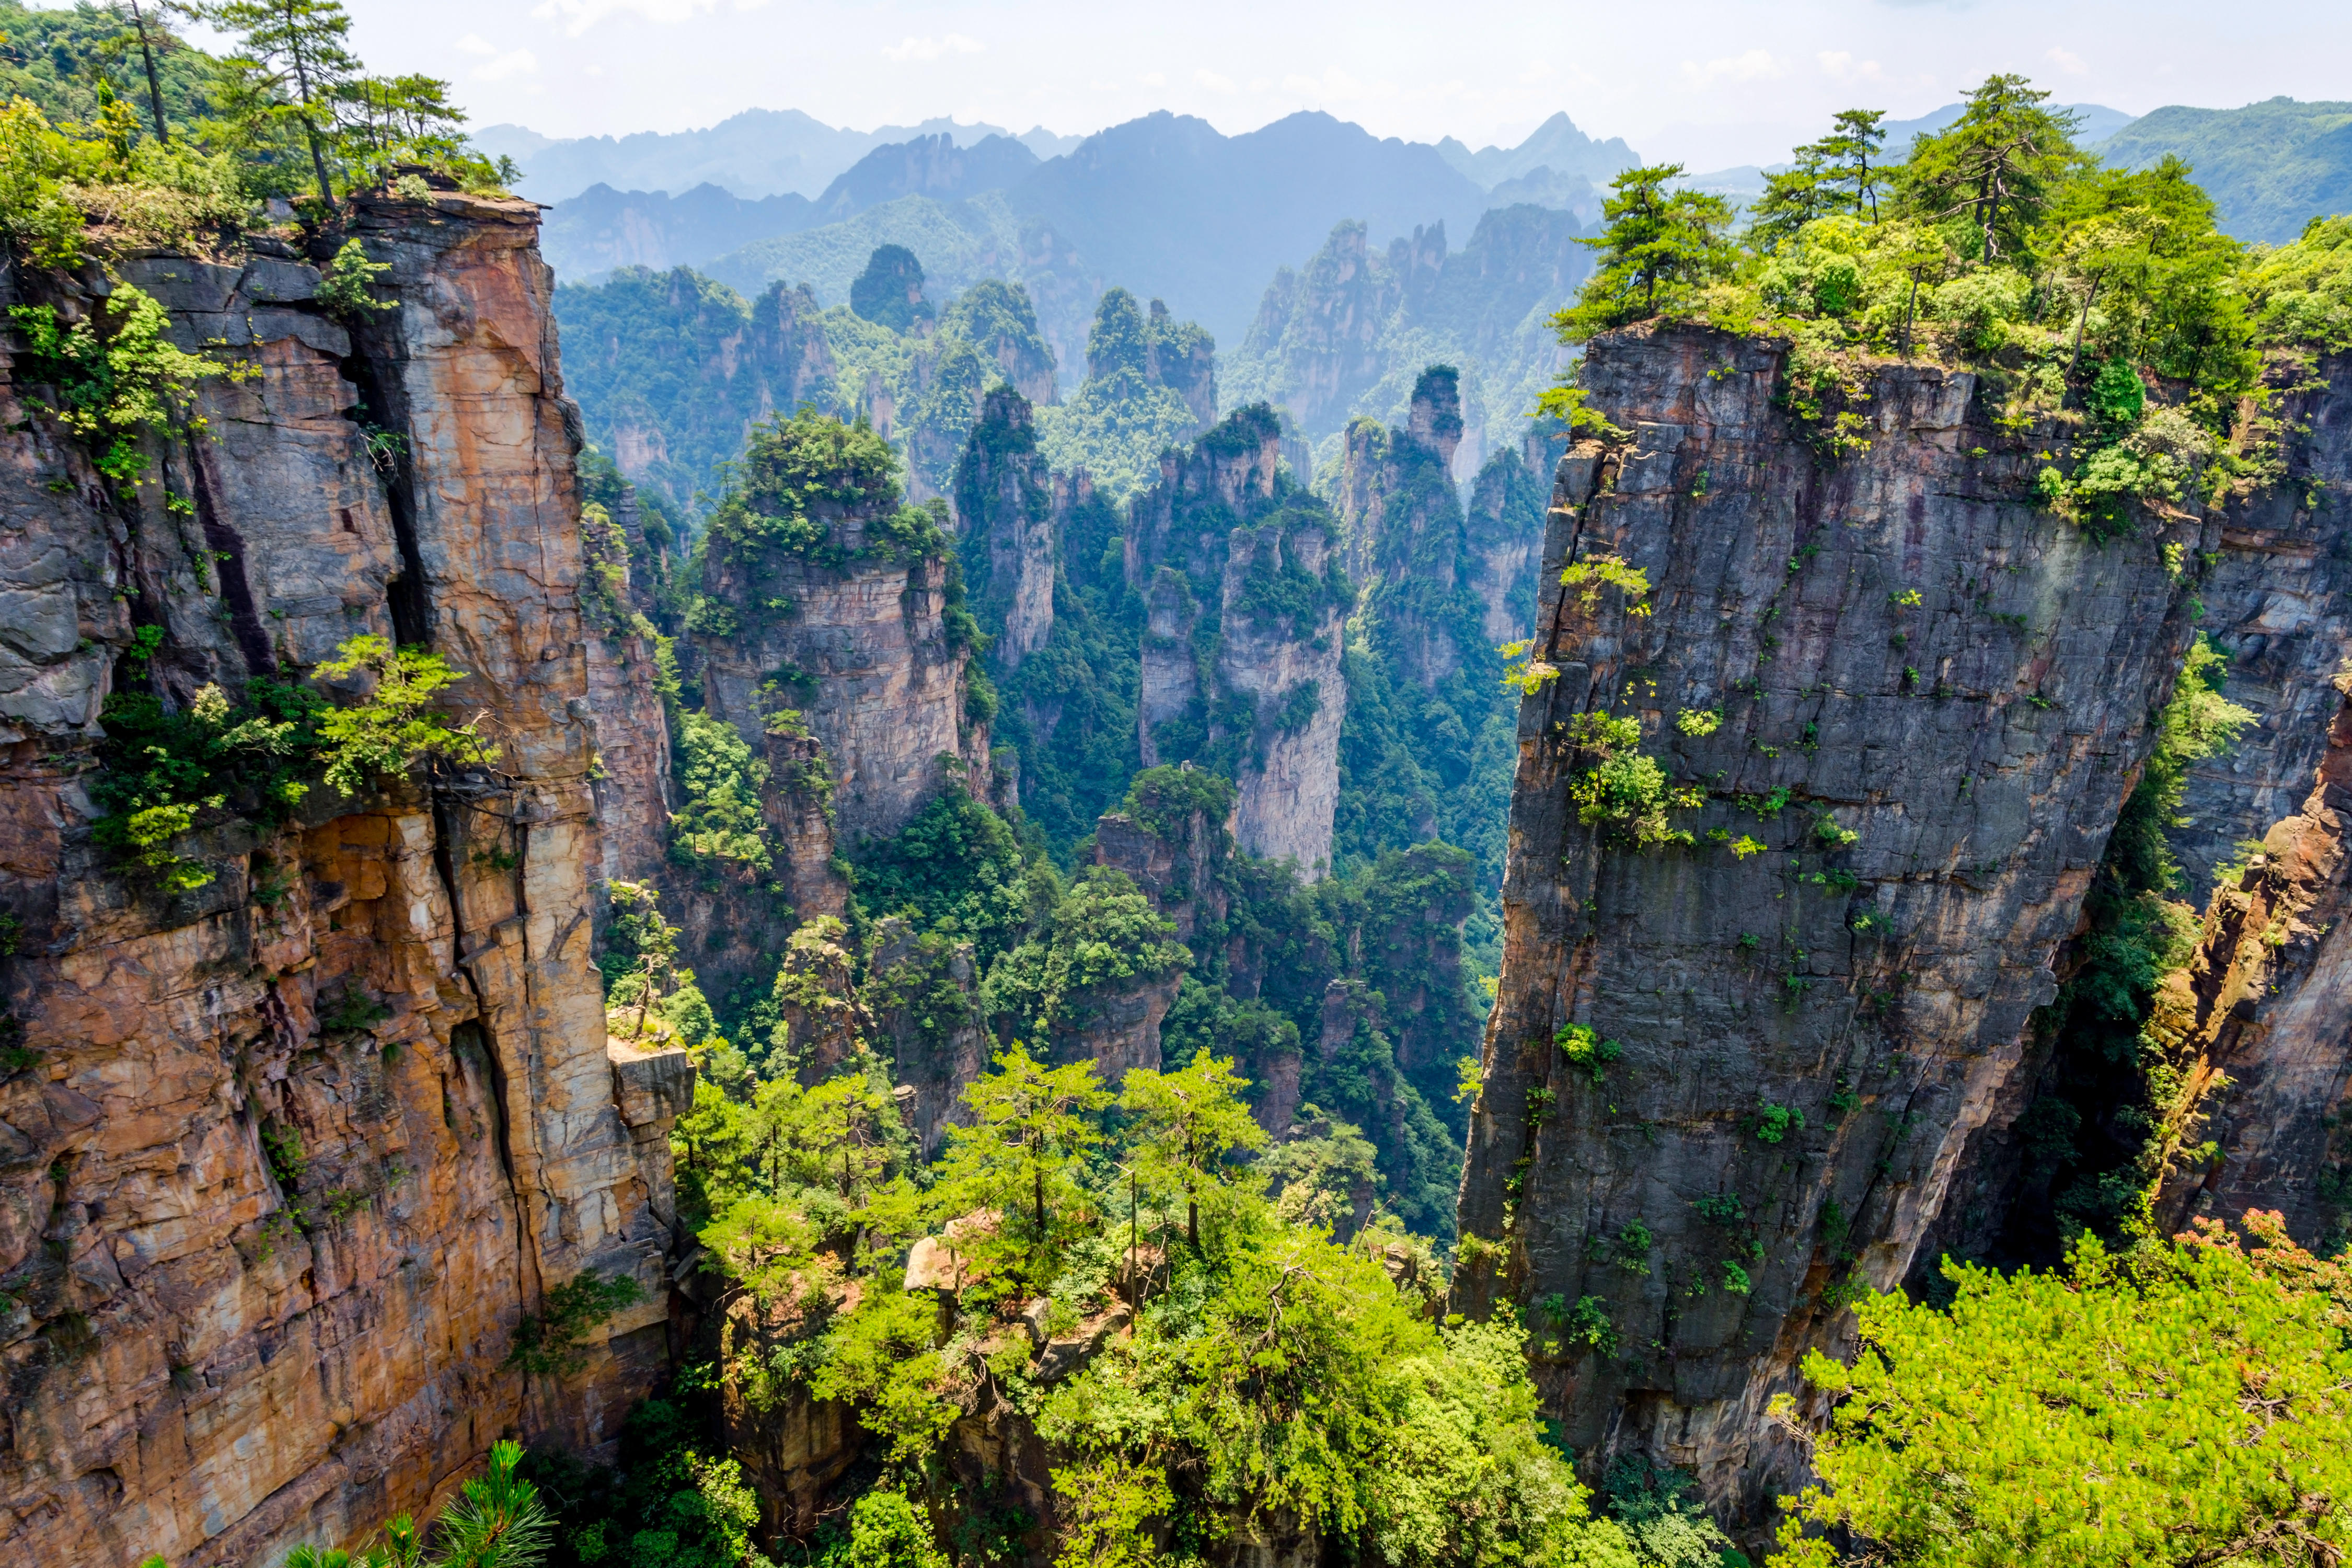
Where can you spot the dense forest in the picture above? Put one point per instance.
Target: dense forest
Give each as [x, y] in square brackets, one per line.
[1081, 813]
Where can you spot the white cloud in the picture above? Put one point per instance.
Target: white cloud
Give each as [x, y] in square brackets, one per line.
[475, 44]
[514, 62]
[1541, 71]
[2070, 62]
[1155, 78]
[1841, 65]
[1755, 65]
[1214, 82]
[578, 15]
[931, 48]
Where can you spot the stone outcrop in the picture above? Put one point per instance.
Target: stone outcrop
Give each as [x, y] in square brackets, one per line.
[630, 732]
[922, 993]
[1916, 702]
[1404, 530]
[864, 652]
[1230, 557]
[1503, 533]
[2278, 600]
[1285, 669]
[1007, 501]
[285, 1157]
[2259, 1019]
[1344, 336]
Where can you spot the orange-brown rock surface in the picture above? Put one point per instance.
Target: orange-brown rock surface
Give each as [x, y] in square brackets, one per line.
[285, 1158]
[2262, 1013]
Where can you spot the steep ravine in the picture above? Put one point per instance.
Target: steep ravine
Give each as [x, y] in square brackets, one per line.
[284, 1158]
[1916, 702]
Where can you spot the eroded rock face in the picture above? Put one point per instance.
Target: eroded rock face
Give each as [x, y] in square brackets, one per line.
[1287, 784]
[2278, 600]
[865, 654]
[1007, 500]
[288, 1155]
[1241, 658]
[1916, 702]
[2263, 1005]
[1404, 528]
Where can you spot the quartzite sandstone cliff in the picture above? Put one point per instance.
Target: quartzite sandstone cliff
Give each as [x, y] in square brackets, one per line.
[1933, 696]
[284, 1159]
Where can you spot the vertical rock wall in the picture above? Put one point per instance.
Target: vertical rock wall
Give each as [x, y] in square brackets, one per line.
[1005, 502]
[2262, 1009]
[865, 654]
[284, 1158]
[1242, 645]
[1281, 672]
[1917, 701]
[2278, 600]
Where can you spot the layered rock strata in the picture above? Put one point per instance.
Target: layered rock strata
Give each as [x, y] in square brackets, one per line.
[2259, 1019]
[1242, 647]
[285, 1157]
[2278, 600]
[1727, 1081]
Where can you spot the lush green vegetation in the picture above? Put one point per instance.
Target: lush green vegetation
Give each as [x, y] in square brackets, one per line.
[118, 135]
[1998, 244]
[1232, 1364]
[2272, 167]
[498, 1519]
[1068, 710]
[1481, 308]
[690, 360]
[2185, 1403]
[1132, 406]
[2120, 1105]
[168, 769]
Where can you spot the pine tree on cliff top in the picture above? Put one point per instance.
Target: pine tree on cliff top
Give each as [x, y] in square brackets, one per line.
[1661, 245]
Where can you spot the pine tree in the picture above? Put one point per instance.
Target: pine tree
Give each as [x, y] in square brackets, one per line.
[1999, 163]
[294, 51]
[1661, 244]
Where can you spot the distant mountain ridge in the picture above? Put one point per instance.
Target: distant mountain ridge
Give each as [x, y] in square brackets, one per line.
[759, 153]
[2270, 167]
[1165, 205]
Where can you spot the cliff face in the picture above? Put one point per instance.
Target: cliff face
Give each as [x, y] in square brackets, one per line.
[1241, 662]
[2278, 600]
[862, 649]
[1006, 502]
[284, 1157]
[2258, 1020]
[1283, 698]
[1403, 524]
[1909, 702]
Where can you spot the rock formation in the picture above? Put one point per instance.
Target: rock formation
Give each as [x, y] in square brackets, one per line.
[863, 650]
[1242, 648]
[2278, 600]
[1345, 336]
[1896, 705]
[285, 1156]
[2258, 1023]
[1005, 504]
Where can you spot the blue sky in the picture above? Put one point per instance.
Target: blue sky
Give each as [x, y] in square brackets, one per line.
[1711, 81]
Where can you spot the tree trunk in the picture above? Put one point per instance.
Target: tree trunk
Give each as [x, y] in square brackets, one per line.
[2081, 322]
[154, 89]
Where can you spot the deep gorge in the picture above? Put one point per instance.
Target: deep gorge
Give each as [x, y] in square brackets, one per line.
[1296, 995]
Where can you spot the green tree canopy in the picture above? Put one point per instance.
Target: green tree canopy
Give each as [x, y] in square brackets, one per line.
[1660, 243]
[2191, 1403]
